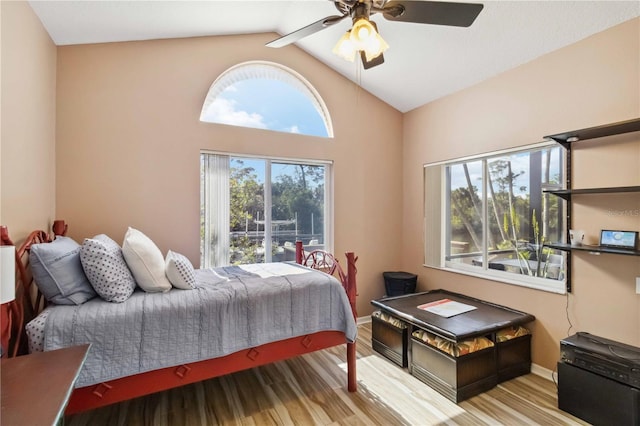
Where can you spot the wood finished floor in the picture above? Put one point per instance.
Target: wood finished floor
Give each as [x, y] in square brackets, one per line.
[311, 390]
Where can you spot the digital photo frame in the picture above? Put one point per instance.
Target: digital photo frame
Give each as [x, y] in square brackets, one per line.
[619, 239]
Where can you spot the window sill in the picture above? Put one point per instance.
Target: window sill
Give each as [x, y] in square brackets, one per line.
[550, 286]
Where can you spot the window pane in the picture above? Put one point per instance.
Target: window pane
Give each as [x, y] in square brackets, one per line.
[464, 210]
[250, 103]
[297, 208]
[511, 244]
[520, 218]
[246, 221]
[253, 210]
[553, 213]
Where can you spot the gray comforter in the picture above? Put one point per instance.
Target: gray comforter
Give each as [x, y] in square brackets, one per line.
[230, 310]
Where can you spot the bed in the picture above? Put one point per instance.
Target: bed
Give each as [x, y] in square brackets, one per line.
[237, 318]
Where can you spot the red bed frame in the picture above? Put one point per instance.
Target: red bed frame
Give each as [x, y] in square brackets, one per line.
[29, 302]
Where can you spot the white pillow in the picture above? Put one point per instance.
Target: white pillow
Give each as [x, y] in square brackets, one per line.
[145, 261]
[180, 271]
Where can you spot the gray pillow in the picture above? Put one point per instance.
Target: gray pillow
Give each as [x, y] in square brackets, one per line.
[106, 269]
[58, 272]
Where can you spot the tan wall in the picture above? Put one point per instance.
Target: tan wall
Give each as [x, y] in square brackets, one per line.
[27, 108]
[129, 138]
[593, 82]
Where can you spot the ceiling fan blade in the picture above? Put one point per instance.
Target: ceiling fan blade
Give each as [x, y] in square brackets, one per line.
[306, 31]
[432, 12]
[378, 60]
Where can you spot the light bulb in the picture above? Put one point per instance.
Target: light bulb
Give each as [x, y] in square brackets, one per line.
[361, 33]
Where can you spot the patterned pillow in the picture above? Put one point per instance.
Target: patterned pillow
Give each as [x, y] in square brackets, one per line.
[146, 262]
[58, 272]
[180, 271]
[106, 269]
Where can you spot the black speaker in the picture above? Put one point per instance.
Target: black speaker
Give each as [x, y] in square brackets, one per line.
[597, 399]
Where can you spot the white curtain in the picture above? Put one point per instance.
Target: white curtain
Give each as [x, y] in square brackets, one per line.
[216, 199]
[433, 245]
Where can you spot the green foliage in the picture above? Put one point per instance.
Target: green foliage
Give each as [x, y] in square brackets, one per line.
[243, 251]
[299, 196]
[464, 221]
[246, 195]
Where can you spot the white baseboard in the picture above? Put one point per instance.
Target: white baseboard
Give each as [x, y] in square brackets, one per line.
[545, 373]
[363, 320]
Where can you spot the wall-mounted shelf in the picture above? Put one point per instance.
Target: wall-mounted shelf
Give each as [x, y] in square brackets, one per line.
[566, 193]
[593, 249]
[567, 138]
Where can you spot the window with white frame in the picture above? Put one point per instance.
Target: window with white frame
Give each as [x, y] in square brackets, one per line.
[489, 215]
[266, 95]
[254, 209]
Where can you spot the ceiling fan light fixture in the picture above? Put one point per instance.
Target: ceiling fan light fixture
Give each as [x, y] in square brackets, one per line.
[364, 37]
[345, 48]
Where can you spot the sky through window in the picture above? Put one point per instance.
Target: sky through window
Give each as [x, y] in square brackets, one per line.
[265, 103]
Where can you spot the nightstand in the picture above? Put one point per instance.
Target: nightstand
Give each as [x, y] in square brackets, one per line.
[36, 387]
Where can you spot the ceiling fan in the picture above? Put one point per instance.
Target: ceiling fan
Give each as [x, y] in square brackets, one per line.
[363, 36]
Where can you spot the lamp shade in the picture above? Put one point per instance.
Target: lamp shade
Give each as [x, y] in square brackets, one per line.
[7, 273]
[345, 48]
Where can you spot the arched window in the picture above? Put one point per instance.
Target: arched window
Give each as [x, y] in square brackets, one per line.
[269, 96]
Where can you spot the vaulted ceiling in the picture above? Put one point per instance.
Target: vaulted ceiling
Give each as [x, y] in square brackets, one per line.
[423, 63]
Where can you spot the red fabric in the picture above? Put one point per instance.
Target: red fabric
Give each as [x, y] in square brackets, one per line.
[5, 327]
